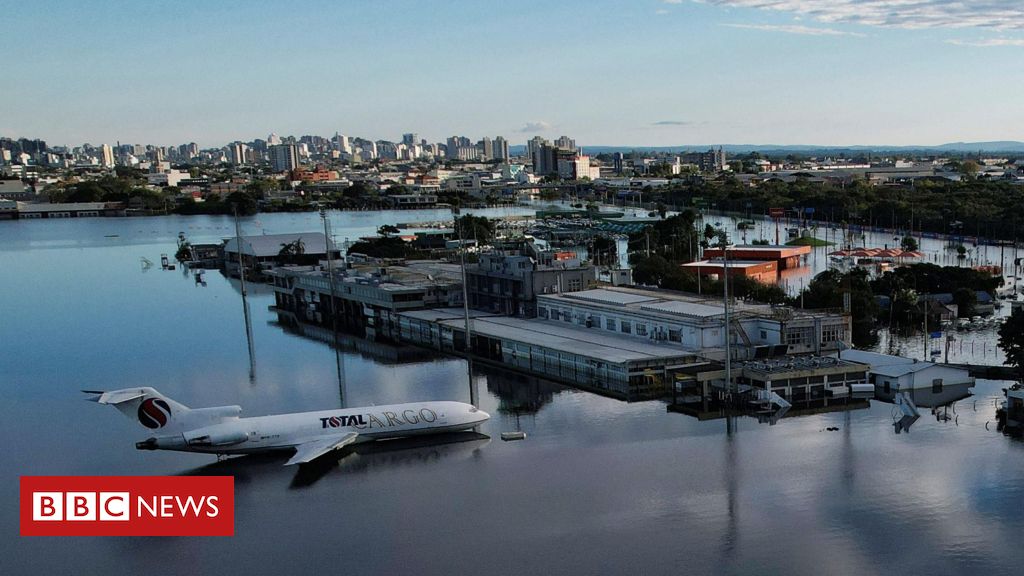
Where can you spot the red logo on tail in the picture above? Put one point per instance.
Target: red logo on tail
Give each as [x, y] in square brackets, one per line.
[154, 413]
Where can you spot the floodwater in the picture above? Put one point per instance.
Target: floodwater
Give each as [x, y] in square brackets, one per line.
[934, 250]
[598, 486]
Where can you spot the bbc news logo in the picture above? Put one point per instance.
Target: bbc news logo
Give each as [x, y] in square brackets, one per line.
[127, 506]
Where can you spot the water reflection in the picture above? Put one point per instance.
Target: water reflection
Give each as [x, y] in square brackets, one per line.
[357, 459]
[599, 486]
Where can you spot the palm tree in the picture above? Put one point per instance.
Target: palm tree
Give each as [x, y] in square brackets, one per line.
[291, 252]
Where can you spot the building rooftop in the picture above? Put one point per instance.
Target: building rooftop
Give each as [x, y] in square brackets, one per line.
[63, 207]
[611, 296]
[683, 308]
[414, 274]
[674, 304]
[874, 359]
[559, 336]
[897, 370]
[721, 264]
[800, 363]
[774, 250]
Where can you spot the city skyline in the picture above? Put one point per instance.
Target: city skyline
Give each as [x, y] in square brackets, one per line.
[649, 73]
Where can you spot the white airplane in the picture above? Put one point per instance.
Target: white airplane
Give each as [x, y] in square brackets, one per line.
[220, 430]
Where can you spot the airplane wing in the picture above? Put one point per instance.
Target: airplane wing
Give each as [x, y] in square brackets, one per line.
[314, 449]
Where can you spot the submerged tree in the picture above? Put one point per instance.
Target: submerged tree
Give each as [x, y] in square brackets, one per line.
[827, 290]
[387, 230]
[1011, 340]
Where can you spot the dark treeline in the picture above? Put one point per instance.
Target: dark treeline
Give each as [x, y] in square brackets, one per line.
[990, 208]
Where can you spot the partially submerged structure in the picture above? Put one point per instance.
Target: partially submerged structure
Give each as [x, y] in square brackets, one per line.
[260, 254]
[926, 383]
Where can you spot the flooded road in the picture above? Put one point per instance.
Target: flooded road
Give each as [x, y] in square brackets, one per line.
[598, 485]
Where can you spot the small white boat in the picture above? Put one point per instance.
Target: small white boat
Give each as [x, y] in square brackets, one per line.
[517, 435]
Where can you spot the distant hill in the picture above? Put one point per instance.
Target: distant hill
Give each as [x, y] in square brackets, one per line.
[1011, 146]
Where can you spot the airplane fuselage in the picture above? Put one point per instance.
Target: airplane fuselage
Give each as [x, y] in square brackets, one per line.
[284, 431]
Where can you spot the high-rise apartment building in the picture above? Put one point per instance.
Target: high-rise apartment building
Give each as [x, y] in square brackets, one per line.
[533, 147]
[107, 156]
[237, 153]
[712, 161]
[566, 143]
[341, 142]
[501, 149]
[284, 157]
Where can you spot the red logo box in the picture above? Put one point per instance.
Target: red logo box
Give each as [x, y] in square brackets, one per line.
[127, 506]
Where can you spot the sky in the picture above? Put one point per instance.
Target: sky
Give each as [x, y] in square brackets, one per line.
[605, 72]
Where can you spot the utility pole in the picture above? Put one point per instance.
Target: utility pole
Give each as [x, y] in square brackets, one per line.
[245, 299]
[465, 287]
[724, 241]
[926, 335]
[339, 363]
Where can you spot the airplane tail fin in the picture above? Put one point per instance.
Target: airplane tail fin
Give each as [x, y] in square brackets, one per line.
[144, 405]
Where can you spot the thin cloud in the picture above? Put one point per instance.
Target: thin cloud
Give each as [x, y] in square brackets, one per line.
[672, 123]
[536, 126]
[991, 42]
[671, 1]
[795, 29]
[909, 14]
[661, 12]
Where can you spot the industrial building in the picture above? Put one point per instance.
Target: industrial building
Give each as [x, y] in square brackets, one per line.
[509, 281]
[70, 210]
[761, 271]
[367, 298]
[607, 363]
[697, 322]
[786, 257]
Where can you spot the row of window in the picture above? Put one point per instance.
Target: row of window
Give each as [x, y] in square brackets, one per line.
[805, 335]
[611, 324]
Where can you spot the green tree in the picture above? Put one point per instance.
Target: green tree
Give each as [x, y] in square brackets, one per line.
[245, 203]
[358, 190]
[969, 168]
[292, 252]
[965, 300]
[826, 290]
[908, 243]
[89, 191]
[652, 270]
[260, 187]
[1011, 340]
[477, 228]
[387, 230]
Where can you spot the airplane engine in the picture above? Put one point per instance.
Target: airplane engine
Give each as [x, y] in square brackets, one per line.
[216, 436]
